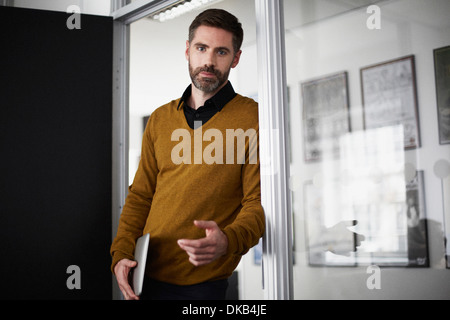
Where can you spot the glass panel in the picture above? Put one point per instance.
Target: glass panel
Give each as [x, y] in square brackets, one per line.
[370, 153]
[159, 74]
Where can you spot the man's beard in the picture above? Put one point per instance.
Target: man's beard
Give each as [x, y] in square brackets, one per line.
[208, 85]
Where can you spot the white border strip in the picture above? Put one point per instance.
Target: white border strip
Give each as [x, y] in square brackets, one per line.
[275, 194]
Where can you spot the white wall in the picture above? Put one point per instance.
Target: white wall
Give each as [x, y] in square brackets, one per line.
[158, 74]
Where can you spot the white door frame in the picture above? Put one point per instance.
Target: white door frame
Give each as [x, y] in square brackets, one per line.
[274, 151]
[272, 95]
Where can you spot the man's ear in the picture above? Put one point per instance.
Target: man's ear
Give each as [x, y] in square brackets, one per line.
[236, 59]
[187, 50]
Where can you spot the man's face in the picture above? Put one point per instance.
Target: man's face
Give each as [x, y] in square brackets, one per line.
[211, 56]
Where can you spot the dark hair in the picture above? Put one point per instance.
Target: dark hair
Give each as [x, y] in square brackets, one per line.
[220, 19]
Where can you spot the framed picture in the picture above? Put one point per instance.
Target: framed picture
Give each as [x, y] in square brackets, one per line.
[417, 230]
[446, 204]
[390, 98]
[442, 171]
[442, 75]
[394, 229]
[325, 115]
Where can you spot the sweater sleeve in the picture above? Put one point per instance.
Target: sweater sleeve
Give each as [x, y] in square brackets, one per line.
[249, 225]
[138, 202]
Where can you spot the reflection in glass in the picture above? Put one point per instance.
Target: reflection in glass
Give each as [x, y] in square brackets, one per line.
[378, 183]
[368, 185]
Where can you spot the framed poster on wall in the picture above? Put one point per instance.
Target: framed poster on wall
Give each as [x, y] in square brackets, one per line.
[417, 230]
[325, 115]
[442, 75]
[442, 172]
[390, 98]
[446, 199]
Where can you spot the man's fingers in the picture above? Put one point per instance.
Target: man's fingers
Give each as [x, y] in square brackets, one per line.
[122, 271]
[124, 265]
[200, 259]
[201, 256]
[205, 224]
[129, 263]
[198, 263]
[127, 291]
[205, 250]
[196, 244]
[198, 255]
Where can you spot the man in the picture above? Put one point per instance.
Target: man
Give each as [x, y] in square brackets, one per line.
[199, 202]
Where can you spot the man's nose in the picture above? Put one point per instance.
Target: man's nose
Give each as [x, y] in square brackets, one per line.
[210, 59]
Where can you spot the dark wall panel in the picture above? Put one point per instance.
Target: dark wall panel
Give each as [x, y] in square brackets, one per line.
[55, 144]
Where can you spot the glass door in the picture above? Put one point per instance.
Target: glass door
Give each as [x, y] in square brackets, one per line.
[369, 107]
[158, 73]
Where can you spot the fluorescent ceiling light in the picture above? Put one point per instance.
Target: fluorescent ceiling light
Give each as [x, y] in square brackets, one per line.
[180, 8]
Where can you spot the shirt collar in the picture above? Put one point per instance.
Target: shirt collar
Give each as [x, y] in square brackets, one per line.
[219, 100]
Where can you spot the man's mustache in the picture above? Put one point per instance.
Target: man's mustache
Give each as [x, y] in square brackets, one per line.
[209, 69]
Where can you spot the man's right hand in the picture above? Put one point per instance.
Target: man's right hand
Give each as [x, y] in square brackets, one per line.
[122, 270]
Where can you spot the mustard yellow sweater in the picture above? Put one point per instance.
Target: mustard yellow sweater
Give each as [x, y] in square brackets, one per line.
[176, 183]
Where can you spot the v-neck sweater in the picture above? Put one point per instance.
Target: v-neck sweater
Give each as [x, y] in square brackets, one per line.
[176, 183]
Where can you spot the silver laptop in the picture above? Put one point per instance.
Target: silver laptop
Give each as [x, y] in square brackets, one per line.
[140, 255]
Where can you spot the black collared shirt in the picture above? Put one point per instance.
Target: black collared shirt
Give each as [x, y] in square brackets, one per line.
[211, 107]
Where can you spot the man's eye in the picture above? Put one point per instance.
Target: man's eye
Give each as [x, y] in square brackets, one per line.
[201, 48]
[222, 52]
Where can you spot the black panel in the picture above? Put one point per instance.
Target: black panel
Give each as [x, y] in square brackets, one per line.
[55, 142]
